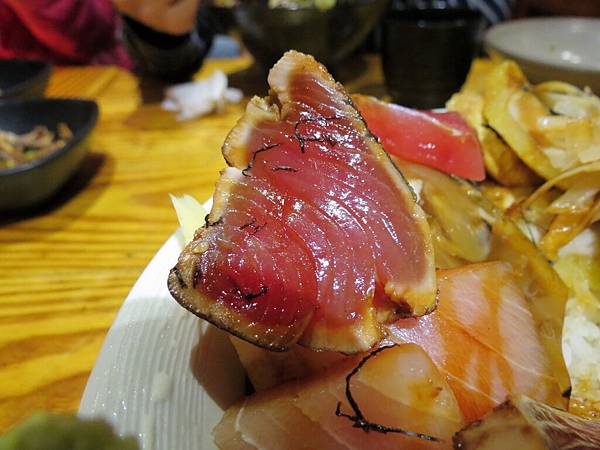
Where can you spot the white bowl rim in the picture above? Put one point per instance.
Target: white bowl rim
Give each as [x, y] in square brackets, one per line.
[587, 66]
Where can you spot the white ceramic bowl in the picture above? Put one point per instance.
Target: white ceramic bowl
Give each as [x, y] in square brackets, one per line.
[163, 375]
[551, 48]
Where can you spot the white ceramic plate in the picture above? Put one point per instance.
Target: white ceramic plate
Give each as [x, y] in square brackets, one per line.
[551, 48]
[163, 374]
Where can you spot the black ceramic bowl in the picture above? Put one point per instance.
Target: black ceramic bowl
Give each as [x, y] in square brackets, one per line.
[329, 35]
[23, 78]
[30, 184]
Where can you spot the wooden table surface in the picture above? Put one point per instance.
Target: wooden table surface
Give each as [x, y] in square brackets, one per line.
[66, 269]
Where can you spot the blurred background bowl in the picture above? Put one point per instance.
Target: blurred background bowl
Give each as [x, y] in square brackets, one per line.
[30, 184]
[22, 78]
[426, 53]
[551, 48]
[329, 35]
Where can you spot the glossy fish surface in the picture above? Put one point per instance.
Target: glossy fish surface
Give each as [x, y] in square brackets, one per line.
[314, 236]
[398, 387]
[483, 338]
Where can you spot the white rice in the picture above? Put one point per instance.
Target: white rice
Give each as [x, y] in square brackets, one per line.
[581, 332]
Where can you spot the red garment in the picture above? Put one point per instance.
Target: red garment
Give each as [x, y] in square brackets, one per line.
[62, 31]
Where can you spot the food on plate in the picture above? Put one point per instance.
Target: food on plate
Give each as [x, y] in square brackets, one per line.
[578, 264]
[568, 100]
[478, 73]
[483, 339]
[461, 234]
[551, 127]
[548, 140]
[513, 111]
[574, 264]
[266, 369]
[442, 140]
[188, 210]
[544, 290]
[396, 387]
[476, 337]
[315, 245]
[467, 228]
[523, 423]
[554, 128]
[459, 230]
[19, 149]
[572, 211]
[500, 161]
[314, 236]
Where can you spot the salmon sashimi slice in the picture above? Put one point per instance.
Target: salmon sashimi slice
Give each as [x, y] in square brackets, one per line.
[483, 338]
[314, 236]
[397, 387]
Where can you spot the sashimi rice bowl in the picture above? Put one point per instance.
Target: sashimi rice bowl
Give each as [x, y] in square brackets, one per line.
[394, 278]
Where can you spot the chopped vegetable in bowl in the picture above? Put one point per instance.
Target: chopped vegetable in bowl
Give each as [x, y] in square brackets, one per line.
[19, 149]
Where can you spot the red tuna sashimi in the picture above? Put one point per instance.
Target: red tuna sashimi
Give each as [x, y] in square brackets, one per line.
[442, 140]
[314, 236]
[397, 387]
[483, 338]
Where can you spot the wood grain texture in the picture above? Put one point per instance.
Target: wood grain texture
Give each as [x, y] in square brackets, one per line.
[66, 269]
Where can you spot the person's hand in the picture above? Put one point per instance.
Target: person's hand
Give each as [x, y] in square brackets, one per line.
[167, 16]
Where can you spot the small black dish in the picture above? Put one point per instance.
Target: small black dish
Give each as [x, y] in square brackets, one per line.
[31, 184]
[23, 78]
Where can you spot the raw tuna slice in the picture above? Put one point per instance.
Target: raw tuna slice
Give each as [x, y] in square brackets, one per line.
[398, 387]
[483, 338]
[314, 236]
[442, 140]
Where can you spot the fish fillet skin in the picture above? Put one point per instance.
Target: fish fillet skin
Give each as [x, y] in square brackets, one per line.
[314, 236]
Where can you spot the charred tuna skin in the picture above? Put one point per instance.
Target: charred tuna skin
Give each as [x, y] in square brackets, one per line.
[314, 236]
